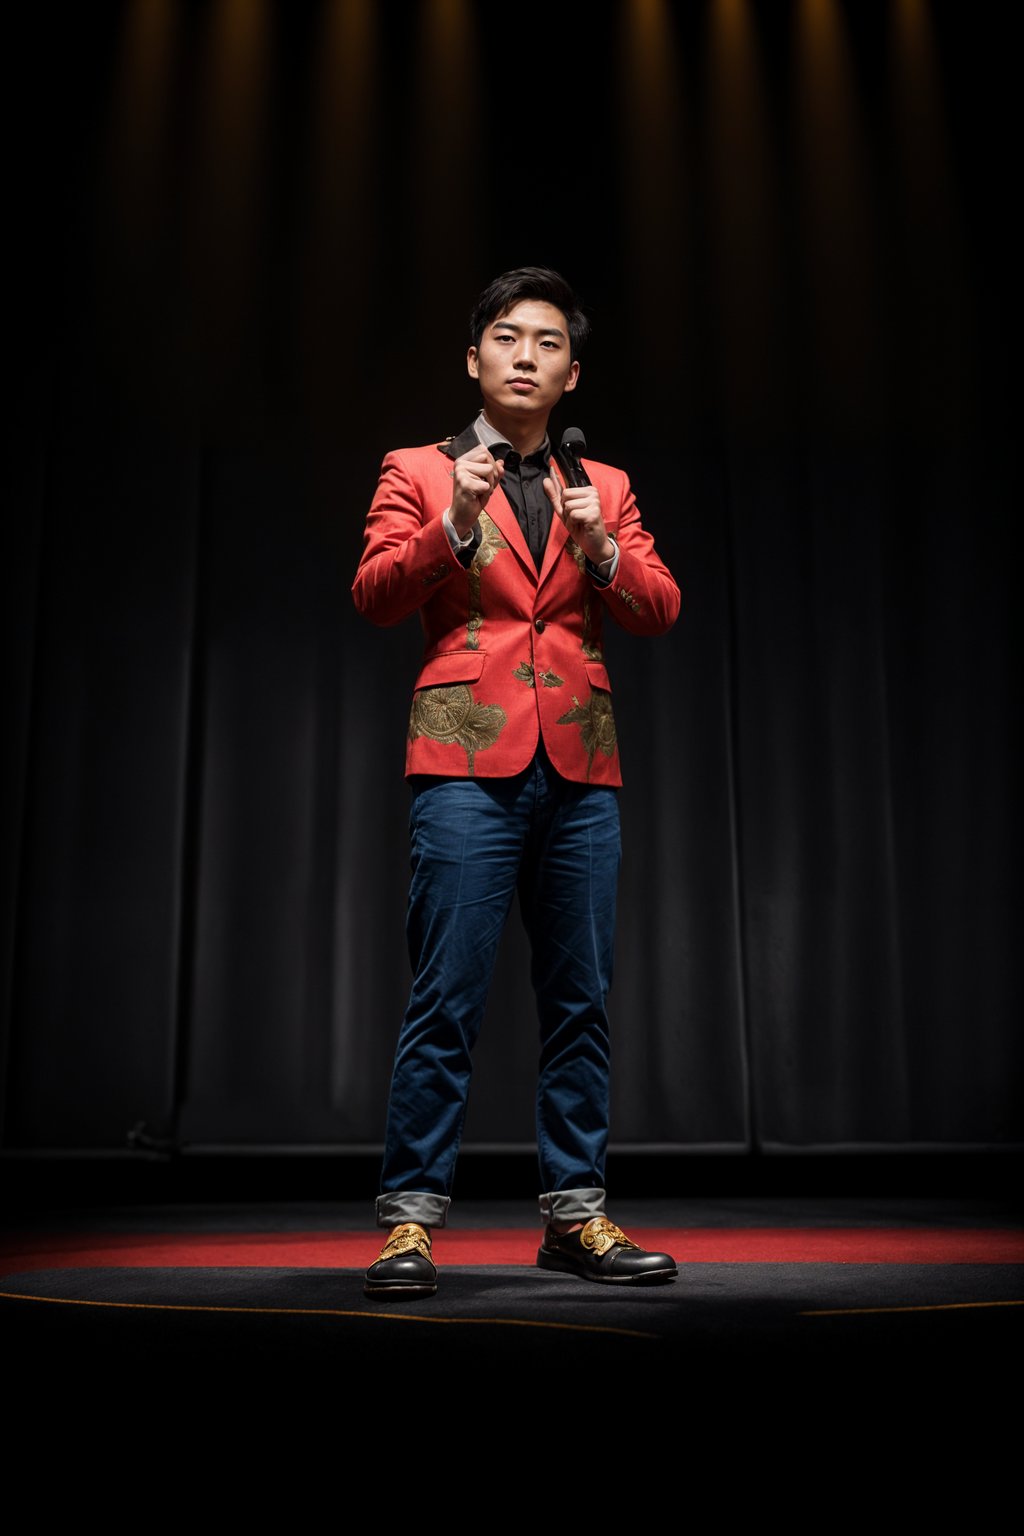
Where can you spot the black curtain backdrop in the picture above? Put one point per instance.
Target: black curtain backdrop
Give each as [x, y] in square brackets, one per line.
[246, 238]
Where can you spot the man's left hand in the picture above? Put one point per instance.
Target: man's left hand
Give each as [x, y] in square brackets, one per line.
[579, 507]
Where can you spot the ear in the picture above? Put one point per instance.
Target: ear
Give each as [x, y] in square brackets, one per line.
[570, 383]
[471, 363]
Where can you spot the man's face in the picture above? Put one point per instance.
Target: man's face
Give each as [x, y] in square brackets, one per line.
[522, 363]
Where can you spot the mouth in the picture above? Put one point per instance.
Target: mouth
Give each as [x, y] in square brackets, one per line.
[521, 386]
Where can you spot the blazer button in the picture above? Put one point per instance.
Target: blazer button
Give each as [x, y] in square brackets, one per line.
[538, 625]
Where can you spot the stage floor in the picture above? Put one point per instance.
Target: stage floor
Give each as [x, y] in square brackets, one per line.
[927, 1291]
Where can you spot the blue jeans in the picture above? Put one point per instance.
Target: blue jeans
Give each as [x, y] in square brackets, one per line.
[475, 844]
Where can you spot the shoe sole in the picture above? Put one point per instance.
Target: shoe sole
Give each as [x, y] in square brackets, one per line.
[566, 1267]
[400, 1292]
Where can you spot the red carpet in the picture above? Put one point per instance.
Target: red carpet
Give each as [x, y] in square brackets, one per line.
[355, 1250]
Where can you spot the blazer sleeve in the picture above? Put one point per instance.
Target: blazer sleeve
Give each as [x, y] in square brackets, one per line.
[642, 596]
[406, 551]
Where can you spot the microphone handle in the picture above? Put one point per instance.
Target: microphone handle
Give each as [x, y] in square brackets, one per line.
[573, 470]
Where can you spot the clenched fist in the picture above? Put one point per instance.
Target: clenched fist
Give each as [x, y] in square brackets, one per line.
[579, 507]
[474, 477]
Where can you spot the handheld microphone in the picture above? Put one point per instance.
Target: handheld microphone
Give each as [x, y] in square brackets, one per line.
[573, 444]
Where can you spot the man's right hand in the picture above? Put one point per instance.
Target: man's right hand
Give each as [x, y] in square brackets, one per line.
[474, 477]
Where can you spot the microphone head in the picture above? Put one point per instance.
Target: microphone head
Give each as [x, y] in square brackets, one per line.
[573, 441]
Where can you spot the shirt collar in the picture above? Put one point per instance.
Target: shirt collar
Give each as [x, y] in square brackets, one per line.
[490, 436]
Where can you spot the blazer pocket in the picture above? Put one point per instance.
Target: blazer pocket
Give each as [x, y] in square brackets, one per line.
[450, 667]
[597, 675]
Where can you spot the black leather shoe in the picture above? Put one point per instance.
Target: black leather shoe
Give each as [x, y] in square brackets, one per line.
[601, 1251]
[405, 1269]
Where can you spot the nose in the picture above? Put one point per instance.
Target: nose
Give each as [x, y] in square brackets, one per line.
[525, 354]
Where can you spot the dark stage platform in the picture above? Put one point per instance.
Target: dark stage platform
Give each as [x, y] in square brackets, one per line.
[799, 1299]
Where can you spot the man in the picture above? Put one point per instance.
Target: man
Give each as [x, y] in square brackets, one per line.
[513, 762]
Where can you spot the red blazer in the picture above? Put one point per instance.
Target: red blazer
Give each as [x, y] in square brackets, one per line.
[510, 654]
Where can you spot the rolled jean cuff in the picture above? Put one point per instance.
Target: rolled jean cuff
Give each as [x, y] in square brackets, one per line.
[412, 1205]
[571, 1205]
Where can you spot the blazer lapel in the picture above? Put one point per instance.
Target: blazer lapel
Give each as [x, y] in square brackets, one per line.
[455, 447]
[502, 514]
[557, 536]
[499, 509]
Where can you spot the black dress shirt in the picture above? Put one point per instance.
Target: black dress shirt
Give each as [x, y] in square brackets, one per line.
[523, 484]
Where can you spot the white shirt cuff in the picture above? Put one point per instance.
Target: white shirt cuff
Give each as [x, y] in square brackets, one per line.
[453, 537]
[606, 570]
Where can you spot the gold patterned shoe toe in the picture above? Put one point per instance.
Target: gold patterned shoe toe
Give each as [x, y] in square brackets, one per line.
[405, 1268]
[601, 1251]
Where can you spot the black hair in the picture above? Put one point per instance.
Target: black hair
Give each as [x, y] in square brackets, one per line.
[506, 291]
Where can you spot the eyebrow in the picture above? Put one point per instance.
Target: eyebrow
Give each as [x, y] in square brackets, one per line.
[542, 330]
